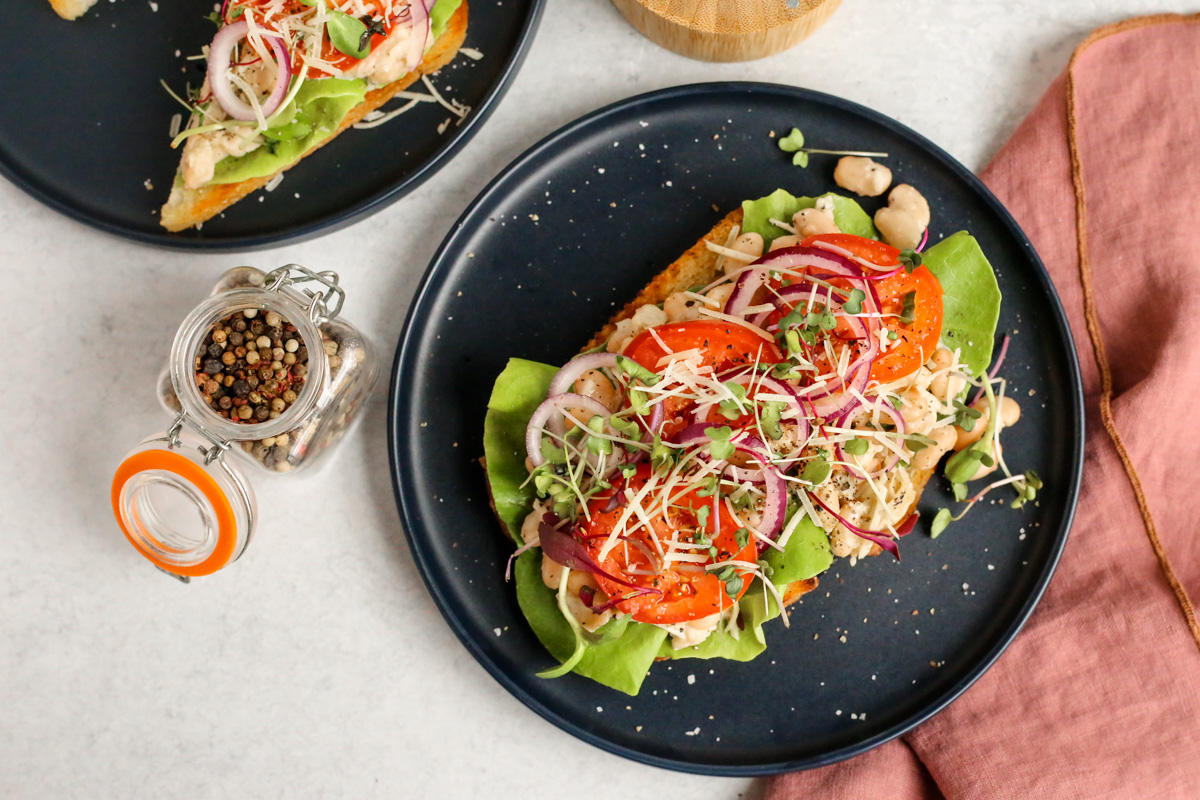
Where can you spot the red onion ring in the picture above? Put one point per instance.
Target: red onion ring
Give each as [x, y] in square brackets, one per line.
[748, 283]
[419, 27]
[775, 508]
[551, 406]
[995, 367]
[844, 421]
[776, 387]
[566, 377]
[220, 57]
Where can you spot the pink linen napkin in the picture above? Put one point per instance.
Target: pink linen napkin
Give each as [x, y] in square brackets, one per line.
[1099, 696]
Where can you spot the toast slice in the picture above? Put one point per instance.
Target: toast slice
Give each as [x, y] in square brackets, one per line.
[187, 208]
[72, 9]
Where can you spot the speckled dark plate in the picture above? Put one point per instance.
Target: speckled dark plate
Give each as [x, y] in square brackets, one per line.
[84, 123]
[571, 231]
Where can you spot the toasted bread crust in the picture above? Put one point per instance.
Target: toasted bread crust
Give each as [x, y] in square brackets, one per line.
[186, 208]
[697, 265]
[72, 9]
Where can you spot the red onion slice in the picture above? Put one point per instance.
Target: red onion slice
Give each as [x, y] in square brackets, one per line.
[775, 489]
[995, 367]
[553, 407]
[884, 408]
[748, 283]
[772, 386]
[563, 548]
[418, 32]
[220, 58]
[882, 539]
[775, 508]
[566, 377]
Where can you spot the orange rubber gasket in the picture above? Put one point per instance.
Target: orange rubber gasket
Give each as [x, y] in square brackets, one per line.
[198, 477]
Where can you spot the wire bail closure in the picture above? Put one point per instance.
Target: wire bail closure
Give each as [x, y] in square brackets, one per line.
[219, 446]
[323, 305]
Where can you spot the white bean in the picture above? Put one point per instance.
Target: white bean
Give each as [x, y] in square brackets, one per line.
[943, 439]
[862, 176]
[749, 243]
[784, 241]
[596, 385]
[680, 308]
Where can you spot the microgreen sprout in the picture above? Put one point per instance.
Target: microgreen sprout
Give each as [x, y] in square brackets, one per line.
[735, 406]
[719, 446]
[794, 143]
[908, 311]
[910, 259]
[853, 304]
[856, 446]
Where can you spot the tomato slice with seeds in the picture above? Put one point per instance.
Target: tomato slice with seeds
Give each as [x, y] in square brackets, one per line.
[689, 592]
[916, 340]
[722, 346]
[878, 253]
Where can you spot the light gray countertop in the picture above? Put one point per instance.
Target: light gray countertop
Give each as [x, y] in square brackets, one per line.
[318, 665]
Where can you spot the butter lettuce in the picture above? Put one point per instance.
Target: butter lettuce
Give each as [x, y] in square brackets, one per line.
[780, 205]
[970, 298]
[319, 108]
[521, 387]
[314, 115]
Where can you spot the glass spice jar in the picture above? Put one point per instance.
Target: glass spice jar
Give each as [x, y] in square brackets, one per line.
[263, 377]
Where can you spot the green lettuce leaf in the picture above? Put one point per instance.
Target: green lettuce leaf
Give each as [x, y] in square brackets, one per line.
[806, 554]
[320, 107]
[620, 660]
[970, 298]
[439, 18]
[757, 214]
[521, 387]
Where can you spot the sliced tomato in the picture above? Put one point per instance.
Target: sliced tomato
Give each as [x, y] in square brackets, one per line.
[878, 253]
[722, 346]
[916, 340]
[686, 594]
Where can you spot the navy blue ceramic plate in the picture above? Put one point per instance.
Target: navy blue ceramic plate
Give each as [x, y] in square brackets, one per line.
[566, 235]
[85, 129]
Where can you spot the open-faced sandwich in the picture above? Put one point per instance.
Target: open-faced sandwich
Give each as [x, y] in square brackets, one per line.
[286, 76]
[775, 399]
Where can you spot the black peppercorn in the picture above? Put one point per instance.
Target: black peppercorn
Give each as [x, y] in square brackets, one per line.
[213, 366]
[215, 350]
[241, 388]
